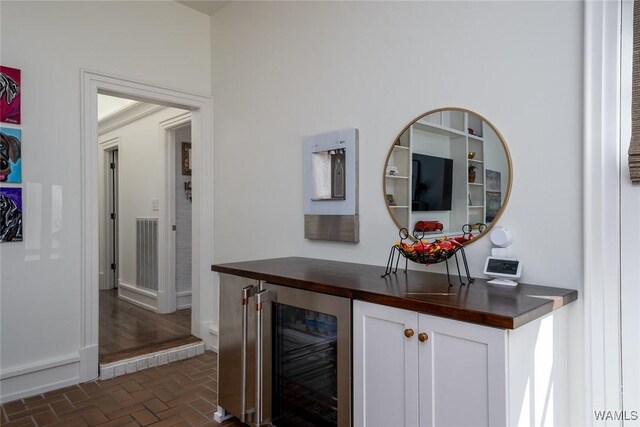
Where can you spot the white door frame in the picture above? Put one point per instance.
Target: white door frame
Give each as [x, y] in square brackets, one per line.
[167, 295]
[630, 233]
[110, 240]
[601, 192]
[202, 159]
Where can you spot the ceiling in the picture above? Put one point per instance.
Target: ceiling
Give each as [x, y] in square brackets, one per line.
[108, 105]
[208, 7]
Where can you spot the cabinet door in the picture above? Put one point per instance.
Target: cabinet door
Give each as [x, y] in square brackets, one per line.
[385, 366]
[462, 374]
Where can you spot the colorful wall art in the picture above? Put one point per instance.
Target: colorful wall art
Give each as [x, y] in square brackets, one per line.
[10, 214]
[10, 95]
[10, 155]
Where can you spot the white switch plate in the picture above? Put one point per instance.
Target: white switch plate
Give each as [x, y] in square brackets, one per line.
[155, 204]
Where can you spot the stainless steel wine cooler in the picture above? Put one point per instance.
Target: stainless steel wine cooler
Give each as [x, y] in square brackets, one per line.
[284, 355]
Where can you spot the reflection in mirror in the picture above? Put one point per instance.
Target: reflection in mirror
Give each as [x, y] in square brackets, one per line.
[448, 174]
[328, 175]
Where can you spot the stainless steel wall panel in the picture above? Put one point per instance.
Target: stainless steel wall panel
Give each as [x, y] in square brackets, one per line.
[341, 228]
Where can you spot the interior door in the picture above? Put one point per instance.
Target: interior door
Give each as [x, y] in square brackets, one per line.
[112, 211]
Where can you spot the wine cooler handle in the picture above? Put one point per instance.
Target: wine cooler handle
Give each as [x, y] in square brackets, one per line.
[247, 293]
[261, 298]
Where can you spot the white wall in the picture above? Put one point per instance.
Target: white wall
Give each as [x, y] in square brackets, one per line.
[284, 70]
[51, 42]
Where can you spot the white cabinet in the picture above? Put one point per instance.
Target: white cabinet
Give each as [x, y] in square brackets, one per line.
[385, 366]
[413, 369]
[462, 374]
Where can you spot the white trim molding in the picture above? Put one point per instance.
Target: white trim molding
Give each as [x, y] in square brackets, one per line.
[141, 297]
[110, 143]
[123, 117]
[202, 136]
[630, 236]
[212, 340]
[146, 361]
[28, 380]
[602, 211]
[183, 300]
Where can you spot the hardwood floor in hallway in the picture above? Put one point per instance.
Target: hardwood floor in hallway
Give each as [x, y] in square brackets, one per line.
[127, 330]
[183, 393]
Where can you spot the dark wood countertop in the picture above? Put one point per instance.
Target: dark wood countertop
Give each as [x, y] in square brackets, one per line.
[479, 302]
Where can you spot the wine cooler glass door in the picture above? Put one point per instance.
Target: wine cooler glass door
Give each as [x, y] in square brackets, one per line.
[310, 359]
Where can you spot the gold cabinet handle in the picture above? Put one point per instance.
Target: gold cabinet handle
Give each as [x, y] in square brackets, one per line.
[408, 333]
[423, 337]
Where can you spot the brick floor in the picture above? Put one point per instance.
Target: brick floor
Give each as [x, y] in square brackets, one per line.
[179, 394]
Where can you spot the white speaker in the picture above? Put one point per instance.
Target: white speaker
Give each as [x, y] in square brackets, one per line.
[501, 237]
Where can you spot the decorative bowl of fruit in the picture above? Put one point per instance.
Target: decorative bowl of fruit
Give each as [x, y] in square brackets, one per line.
[422, 251]
[425, 252]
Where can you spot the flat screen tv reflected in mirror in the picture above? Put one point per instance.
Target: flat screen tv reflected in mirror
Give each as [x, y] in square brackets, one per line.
[431, 182]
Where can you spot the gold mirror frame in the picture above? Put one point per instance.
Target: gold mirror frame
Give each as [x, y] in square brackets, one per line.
[397, 141]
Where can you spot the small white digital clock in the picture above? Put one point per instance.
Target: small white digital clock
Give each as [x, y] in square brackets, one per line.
[503, 269]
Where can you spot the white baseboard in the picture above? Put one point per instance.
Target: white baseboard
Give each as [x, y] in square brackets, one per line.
[89, 363]
[140, 297]
[210, 338]
[102, 282]
[36, 378]
[145, 361]
[183, 300]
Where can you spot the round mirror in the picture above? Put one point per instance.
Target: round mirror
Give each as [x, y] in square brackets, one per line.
[448, 174]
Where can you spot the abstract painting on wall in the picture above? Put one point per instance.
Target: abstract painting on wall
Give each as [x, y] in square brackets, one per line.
[10, 95]
[10, 155]
[492, 179]
[186, 158]
[10, 214]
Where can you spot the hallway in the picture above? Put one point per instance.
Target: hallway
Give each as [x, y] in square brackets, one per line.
[127, 330]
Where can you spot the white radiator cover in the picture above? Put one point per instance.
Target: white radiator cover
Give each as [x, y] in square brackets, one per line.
[147, 253]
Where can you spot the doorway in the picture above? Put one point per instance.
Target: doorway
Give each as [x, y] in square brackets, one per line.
[199, 108]
[135, 318]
